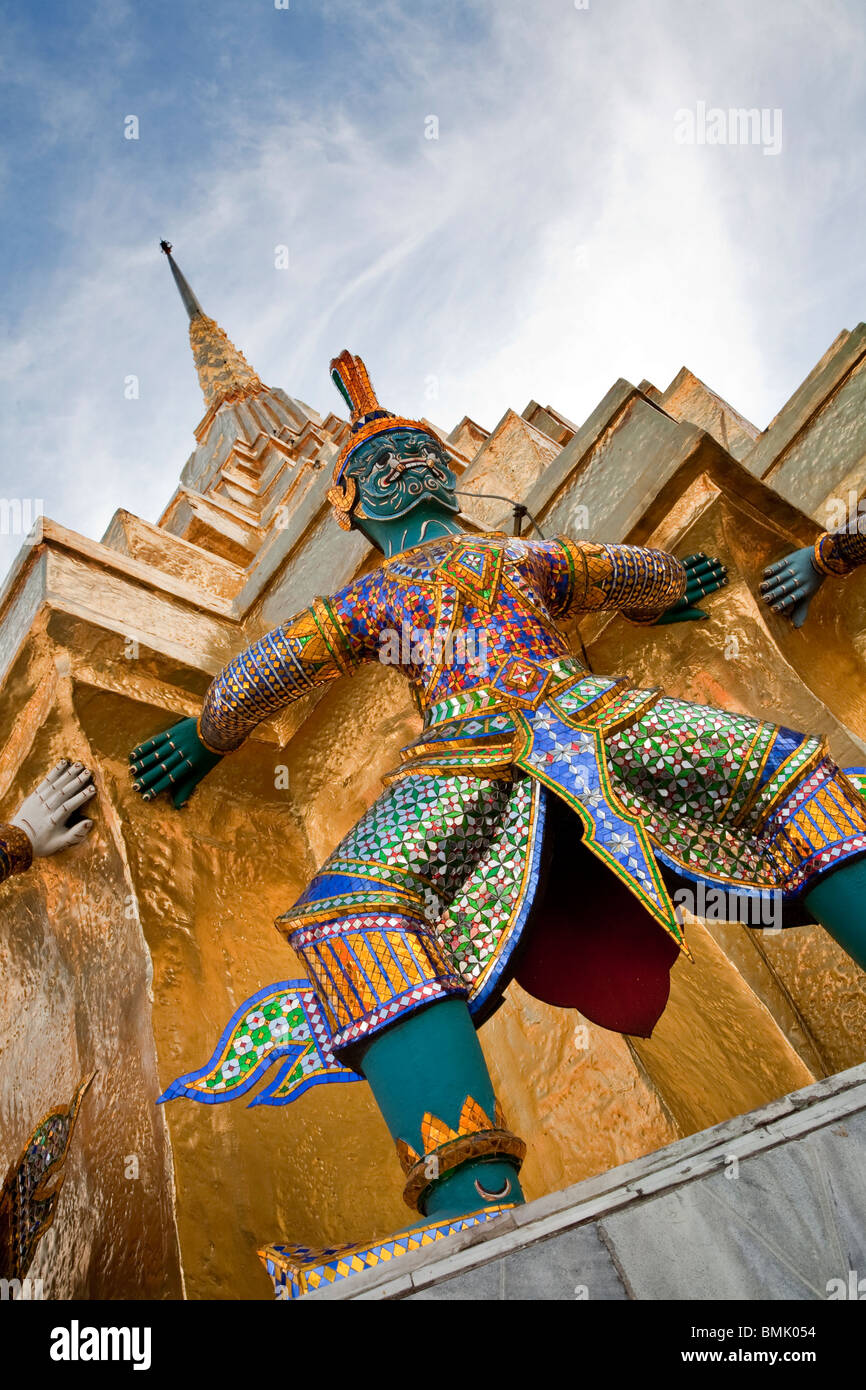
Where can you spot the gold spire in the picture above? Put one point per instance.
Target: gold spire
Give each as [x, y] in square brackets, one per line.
[224, 373]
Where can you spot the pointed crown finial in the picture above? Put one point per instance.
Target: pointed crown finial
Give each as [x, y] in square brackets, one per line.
[351, 378]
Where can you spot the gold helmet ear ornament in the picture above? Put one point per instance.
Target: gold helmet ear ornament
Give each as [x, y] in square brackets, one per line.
[342, 497]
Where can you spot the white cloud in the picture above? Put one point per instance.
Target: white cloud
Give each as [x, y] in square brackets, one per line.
[456, 258]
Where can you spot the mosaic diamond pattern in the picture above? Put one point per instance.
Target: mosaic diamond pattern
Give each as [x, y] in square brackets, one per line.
[464, 851]
[298, 1270]
[566, 757]
[697, 778]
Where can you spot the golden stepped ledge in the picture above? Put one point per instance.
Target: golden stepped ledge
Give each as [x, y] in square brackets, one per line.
[665, 1227]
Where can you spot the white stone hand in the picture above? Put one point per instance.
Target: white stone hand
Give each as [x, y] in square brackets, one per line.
[43, 815]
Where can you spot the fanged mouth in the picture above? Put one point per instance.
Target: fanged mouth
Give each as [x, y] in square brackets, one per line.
[400, 466]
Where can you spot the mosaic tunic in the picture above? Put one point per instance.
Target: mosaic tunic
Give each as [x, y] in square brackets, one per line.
[428, 895]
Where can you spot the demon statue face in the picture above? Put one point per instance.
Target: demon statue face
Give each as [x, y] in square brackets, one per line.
[399, 471]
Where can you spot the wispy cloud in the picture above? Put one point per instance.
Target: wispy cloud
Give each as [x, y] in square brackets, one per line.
[554, 236]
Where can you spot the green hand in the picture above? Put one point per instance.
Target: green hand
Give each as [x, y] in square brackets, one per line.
[703, 576]
[790, 584]
[174, 761]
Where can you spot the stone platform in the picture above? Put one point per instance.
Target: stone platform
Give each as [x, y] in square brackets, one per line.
[770, 1205]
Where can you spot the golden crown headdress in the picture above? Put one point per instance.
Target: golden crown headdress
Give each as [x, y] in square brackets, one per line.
[368, 418]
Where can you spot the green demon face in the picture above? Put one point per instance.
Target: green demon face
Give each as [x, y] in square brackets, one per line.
[399, 471]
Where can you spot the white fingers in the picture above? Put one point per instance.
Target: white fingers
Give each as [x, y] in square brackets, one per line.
[76, 776]
[55, 775]
[43, 814]
[70, 804]
[75, 835]
[62, 791]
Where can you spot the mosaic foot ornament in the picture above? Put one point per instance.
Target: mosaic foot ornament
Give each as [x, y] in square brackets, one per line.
[410, 931]
[282, 1023]
[448, 1176]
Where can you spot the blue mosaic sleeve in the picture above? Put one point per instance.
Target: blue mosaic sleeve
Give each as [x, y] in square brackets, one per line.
[555, 568]
[329, 639]
[582, 576]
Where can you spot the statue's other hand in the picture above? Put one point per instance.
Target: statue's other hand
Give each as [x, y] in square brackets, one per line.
[789, 585]
[703, 576]
[43, 816]
[174, 761]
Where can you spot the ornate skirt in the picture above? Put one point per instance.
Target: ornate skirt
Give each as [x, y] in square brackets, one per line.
[424, 899]
[428, 895]
[736, 802]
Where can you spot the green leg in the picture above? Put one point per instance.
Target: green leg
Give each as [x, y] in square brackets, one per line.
[432, 1062]
[839, 904]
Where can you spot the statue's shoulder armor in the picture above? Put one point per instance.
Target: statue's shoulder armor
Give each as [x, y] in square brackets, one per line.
[475, 564]
[421, 561]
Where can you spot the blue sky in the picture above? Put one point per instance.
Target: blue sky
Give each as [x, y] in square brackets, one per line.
[554, 237]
